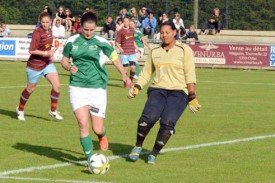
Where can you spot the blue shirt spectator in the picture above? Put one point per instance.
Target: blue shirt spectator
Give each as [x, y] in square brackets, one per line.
[149, 25]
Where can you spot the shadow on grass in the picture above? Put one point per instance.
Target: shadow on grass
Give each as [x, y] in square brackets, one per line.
[63, 155]
[12, 114]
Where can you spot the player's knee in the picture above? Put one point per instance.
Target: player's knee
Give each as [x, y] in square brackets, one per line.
[167, 129]
[149, 118]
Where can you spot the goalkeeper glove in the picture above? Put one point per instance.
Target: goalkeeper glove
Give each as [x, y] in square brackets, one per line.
[133, 91]
[193, 103]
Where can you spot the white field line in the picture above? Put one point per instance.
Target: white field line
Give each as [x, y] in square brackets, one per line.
[49, 180]
[30, 169]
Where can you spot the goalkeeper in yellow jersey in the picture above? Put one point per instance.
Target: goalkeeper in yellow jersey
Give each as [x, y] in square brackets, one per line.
[172, 90]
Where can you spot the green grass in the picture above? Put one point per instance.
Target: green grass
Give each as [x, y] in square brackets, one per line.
[237, 104]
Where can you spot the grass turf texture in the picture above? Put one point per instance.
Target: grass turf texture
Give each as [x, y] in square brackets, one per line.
[236, 104]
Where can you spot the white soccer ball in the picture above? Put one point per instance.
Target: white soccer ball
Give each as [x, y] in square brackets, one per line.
[100, 164]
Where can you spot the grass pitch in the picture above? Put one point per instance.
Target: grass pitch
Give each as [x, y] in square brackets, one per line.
[237, 105]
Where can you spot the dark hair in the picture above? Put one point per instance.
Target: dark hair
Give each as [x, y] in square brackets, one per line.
[169, 23]
[89, 17]
[44, 14]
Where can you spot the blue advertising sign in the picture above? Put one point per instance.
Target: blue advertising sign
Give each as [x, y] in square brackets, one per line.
[7, 47]
[272, 56]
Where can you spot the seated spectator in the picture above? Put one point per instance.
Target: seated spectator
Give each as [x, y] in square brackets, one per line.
[179, 26]
[119, 24]
[77, 27]
[191, 36]
[69, 20]
[213, 23]
[60, 15]
[109, 28]
[149, 25]
[58, 30]
[163, 18]
[4, 31]
[142, 14]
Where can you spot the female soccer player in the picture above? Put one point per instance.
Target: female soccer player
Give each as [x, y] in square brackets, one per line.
[40, 63]
[172, 90]
[88, 80]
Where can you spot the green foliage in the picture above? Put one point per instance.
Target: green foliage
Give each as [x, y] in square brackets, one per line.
[242, 14]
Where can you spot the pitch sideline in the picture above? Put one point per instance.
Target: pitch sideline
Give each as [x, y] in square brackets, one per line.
[5, 174]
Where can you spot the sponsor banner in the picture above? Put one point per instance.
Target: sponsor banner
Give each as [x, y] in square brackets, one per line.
[272, 56]
[233, 54]
[7, 47]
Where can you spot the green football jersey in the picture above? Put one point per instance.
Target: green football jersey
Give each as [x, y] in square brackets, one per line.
[137, 37]
[90, 57]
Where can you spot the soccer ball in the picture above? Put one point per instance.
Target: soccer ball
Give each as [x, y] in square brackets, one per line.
[100, 164]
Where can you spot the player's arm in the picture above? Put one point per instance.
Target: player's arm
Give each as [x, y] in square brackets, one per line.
[143, 39]
[67, 65]
[117, 63]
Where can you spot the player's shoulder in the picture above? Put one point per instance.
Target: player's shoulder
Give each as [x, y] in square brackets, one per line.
[182, 46]
[100, 38]
[73, 38]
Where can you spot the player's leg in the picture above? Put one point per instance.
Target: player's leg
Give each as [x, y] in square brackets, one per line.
[132, 61]
[51, 75]
[150, 115]
[176, 103]
[80, 106]
[97, 108]
[125, 63]
[32, 80]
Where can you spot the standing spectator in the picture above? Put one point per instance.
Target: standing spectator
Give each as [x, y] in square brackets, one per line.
[122, 14]
[60, 15]
[214, 23]
[87, 9]
[58, 30]
[48, 9]
[4, 31]
[140, 41]
[126, 45]
[172, 90]
[149, 25]
[179, 26]
[163, 18]
[191, 36]
[109, 28]
[142, 14]
[69, 20]
[88, 81]
[40, 63]
[77, 27]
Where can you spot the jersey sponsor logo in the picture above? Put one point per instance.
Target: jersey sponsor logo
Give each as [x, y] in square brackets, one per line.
[75, 48]
[7, 47]
[48, 45]
[128, 37]
[94, 109]
[93, 47]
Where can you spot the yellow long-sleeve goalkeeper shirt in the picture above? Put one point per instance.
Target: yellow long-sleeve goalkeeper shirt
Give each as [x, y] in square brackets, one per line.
[174, 68]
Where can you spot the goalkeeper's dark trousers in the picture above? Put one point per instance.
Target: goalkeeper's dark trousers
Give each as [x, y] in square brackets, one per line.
[166, 105]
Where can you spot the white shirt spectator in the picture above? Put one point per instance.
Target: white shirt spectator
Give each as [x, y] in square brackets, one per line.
[179, 24]
[58, 30]
[4, 31]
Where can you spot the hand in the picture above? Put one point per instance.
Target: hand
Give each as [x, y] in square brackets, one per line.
[194, 105]
[132, 93]
[73, 69]
[127, 81]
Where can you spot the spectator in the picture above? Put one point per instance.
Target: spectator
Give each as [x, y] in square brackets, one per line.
[142, 14]
[4, 31]
[77, 27]
[60, 15]
[58, 30]
[191, 36]
[149, 25]
[109, 28]
[163, 18]
[179, 26]
[69, 20]
[122, 14]
[87, 9]
[214, 23]
[126, 45]
[134, 15]
[119, 24]
[48, 10]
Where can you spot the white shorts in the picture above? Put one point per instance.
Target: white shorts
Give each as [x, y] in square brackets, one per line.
[95, 98]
